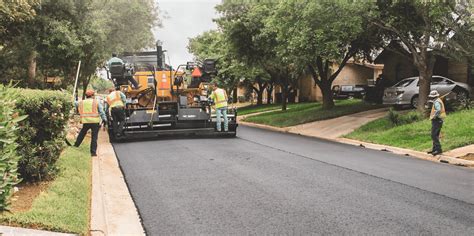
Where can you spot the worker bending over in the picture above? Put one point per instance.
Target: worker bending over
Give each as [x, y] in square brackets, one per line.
[91, 112]
[437, 115]
[219, 96]
[116, 101]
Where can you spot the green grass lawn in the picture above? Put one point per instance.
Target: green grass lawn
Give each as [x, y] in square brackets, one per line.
[308, 112]
[65, 205]
[457, 131]
[266, 107]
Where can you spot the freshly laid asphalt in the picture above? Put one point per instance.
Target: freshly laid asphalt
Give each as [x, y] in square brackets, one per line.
[264, 182]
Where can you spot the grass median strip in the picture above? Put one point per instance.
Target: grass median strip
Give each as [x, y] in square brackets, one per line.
[457, 131]
[65, 205]
[264, 107]
[308, 112]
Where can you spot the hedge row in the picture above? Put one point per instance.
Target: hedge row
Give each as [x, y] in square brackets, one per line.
[40, 137]
[8, 156]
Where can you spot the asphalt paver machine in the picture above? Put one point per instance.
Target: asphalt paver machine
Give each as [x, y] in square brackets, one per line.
[168, 101]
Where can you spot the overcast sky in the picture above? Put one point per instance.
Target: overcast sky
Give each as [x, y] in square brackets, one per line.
[183, 19]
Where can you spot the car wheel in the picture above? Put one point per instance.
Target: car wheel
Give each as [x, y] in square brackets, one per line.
[414, 101]
[462, 95]
[462, 98]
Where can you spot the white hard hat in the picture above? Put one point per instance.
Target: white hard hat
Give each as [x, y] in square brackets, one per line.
[433, 94]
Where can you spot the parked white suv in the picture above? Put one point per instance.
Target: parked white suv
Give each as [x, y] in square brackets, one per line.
[406, 91]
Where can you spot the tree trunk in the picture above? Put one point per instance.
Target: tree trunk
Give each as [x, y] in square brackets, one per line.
[260, 97]
[328, 102]
[269, 94]
[85, 84]
[425, 64]
[32, 68]
[234, 95]
[284, 96]
[424, 89]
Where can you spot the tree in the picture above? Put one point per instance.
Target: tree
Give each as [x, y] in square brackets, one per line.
[231, 71]
[62, 32]
[318, 36]
[13, 13]
[244, 27]
[425, 29]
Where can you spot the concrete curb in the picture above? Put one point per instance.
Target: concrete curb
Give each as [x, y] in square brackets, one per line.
[113, 211]
[16, 231]
[407, 152]
[401, 151]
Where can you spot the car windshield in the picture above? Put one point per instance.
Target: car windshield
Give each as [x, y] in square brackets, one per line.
[404, 83]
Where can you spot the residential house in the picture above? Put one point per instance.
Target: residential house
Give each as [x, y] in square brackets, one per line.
[353, 73]
[397, 66]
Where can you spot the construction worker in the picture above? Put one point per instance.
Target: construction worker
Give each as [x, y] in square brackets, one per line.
[437, 115]
[219, 96]
[91, 112]
[115, 61]
[116, 101]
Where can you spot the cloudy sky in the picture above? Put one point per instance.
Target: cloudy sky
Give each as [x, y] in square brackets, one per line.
[183, 19]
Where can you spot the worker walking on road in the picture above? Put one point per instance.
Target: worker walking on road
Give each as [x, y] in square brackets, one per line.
[116, 101]
[220, 100]
[91, 112]
[437, 115]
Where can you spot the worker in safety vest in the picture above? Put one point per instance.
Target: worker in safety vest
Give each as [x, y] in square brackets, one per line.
[91, 112]
[119, 62]
[116, 101]
[220, 100]
[437, 115]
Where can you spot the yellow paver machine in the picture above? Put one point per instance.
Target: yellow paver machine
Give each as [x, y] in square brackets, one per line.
[167, 101]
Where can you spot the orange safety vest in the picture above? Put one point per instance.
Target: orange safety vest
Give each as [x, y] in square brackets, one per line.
[442, 114]
[114, 99]
[88, 109]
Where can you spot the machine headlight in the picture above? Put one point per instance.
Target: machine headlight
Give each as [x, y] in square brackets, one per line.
[196, 99]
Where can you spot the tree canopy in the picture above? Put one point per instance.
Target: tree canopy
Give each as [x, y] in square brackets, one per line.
[51, 36]
[427, 29]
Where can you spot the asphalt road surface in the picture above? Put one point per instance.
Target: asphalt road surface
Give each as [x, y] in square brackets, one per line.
[264, 182]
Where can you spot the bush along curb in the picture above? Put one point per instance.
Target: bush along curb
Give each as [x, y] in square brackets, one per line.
[8, 156]
[40, 138]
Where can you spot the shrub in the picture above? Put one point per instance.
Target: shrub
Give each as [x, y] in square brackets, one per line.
[397, 119]
[8, 156]
[41, 136]
[101, 85]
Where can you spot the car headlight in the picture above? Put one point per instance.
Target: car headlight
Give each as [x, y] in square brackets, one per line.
[400, 94]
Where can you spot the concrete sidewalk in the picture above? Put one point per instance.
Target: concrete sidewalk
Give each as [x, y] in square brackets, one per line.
[334, 129]
[337, 127]
[113, 211]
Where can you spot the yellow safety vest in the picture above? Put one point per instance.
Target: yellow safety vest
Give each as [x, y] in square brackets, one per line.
[442, 115]
[88, 109]
[114, 99]
[220, 98]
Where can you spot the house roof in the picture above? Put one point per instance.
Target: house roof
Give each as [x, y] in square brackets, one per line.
[365, 64]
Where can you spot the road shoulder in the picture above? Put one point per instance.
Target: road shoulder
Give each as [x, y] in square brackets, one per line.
[113, 210]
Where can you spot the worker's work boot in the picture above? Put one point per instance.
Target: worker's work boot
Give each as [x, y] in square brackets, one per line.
[437, 152]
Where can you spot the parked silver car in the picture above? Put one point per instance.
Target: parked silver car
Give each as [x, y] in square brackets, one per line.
[406, 91]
